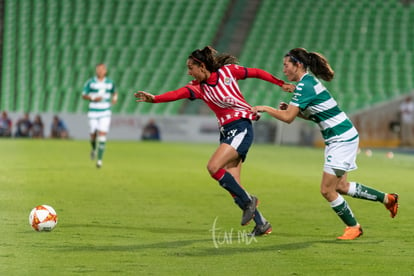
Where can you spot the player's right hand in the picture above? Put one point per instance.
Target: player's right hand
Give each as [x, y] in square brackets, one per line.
[288, 87]
[143, 96]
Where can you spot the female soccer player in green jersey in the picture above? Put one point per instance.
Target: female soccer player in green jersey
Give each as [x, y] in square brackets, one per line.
[101, 93]
[312, 101]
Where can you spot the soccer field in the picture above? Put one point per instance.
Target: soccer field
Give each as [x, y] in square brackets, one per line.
[152, 209]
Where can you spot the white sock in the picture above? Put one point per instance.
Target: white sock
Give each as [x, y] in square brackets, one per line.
[352, 189]
[338, 201]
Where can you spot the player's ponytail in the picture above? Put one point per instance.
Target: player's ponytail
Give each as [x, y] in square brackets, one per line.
[211, 58]
[320, 67]
[316, 62]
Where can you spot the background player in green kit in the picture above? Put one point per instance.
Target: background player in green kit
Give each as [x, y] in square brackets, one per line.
[101, 94]
[312, 101]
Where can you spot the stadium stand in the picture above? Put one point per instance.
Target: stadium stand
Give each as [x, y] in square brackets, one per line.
[50, 48]
[368, 43]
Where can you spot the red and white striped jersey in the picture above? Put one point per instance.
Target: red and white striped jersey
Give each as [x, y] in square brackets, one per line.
[221, 92]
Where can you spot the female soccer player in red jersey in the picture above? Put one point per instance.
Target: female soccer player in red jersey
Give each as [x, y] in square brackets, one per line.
[215, 82]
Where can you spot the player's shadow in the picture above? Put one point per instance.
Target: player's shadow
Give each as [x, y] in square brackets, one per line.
[203, 246]
[279, 247]
[132, 247]
[151, 229]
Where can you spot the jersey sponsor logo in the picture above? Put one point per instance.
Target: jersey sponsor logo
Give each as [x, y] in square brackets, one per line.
[296, 96]
[227, 81]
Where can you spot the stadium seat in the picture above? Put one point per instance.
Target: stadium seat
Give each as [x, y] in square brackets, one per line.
[352, 37]
[129, 36]
[145, 45]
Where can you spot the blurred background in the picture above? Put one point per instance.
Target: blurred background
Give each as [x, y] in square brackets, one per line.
[50, 48]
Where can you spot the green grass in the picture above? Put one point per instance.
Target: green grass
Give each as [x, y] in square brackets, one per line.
[151, 209]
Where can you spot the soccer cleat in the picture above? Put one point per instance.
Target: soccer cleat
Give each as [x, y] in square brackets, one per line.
[92, 155]
[99, 164]
[392, 204]
[261, 229]
[249, 209]
[351, 233]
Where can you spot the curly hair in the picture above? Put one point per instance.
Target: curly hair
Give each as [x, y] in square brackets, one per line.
[211, 58]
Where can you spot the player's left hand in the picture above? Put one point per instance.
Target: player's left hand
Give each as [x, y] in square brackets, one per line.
[283, 106]
[115, 99]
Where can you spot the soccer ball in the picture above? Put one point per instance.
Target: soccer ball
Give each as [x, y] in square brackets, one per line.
[43, 218]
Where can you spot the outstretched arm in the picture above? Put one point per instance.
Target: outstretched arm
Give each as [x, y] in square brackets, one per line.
[264, 75]
[170, 96]
[286, 113]
[284, 106]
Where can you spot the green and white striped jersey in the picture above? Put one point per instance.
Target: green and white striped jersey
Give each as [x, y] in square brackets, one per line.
[106, 88]
[316, 103]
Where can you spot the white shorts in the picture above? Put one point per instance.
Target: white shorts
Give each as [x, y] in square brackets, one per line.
[99, 124]
[341, 157]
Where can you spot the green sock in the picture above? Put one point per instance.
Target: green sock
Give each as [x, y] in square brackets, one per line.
[101, 146]
[341, 208]
[358, 190]
[93, 144]
[101, 149]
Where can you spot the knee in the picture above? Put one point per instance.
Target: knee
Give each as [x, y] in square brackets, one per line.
[216, 173]
[212, 168]
[328, 194]
[324, 192]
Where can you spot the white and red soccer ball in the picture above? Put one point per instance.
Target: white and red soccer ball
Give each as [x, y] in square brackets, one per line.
[43, 218]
